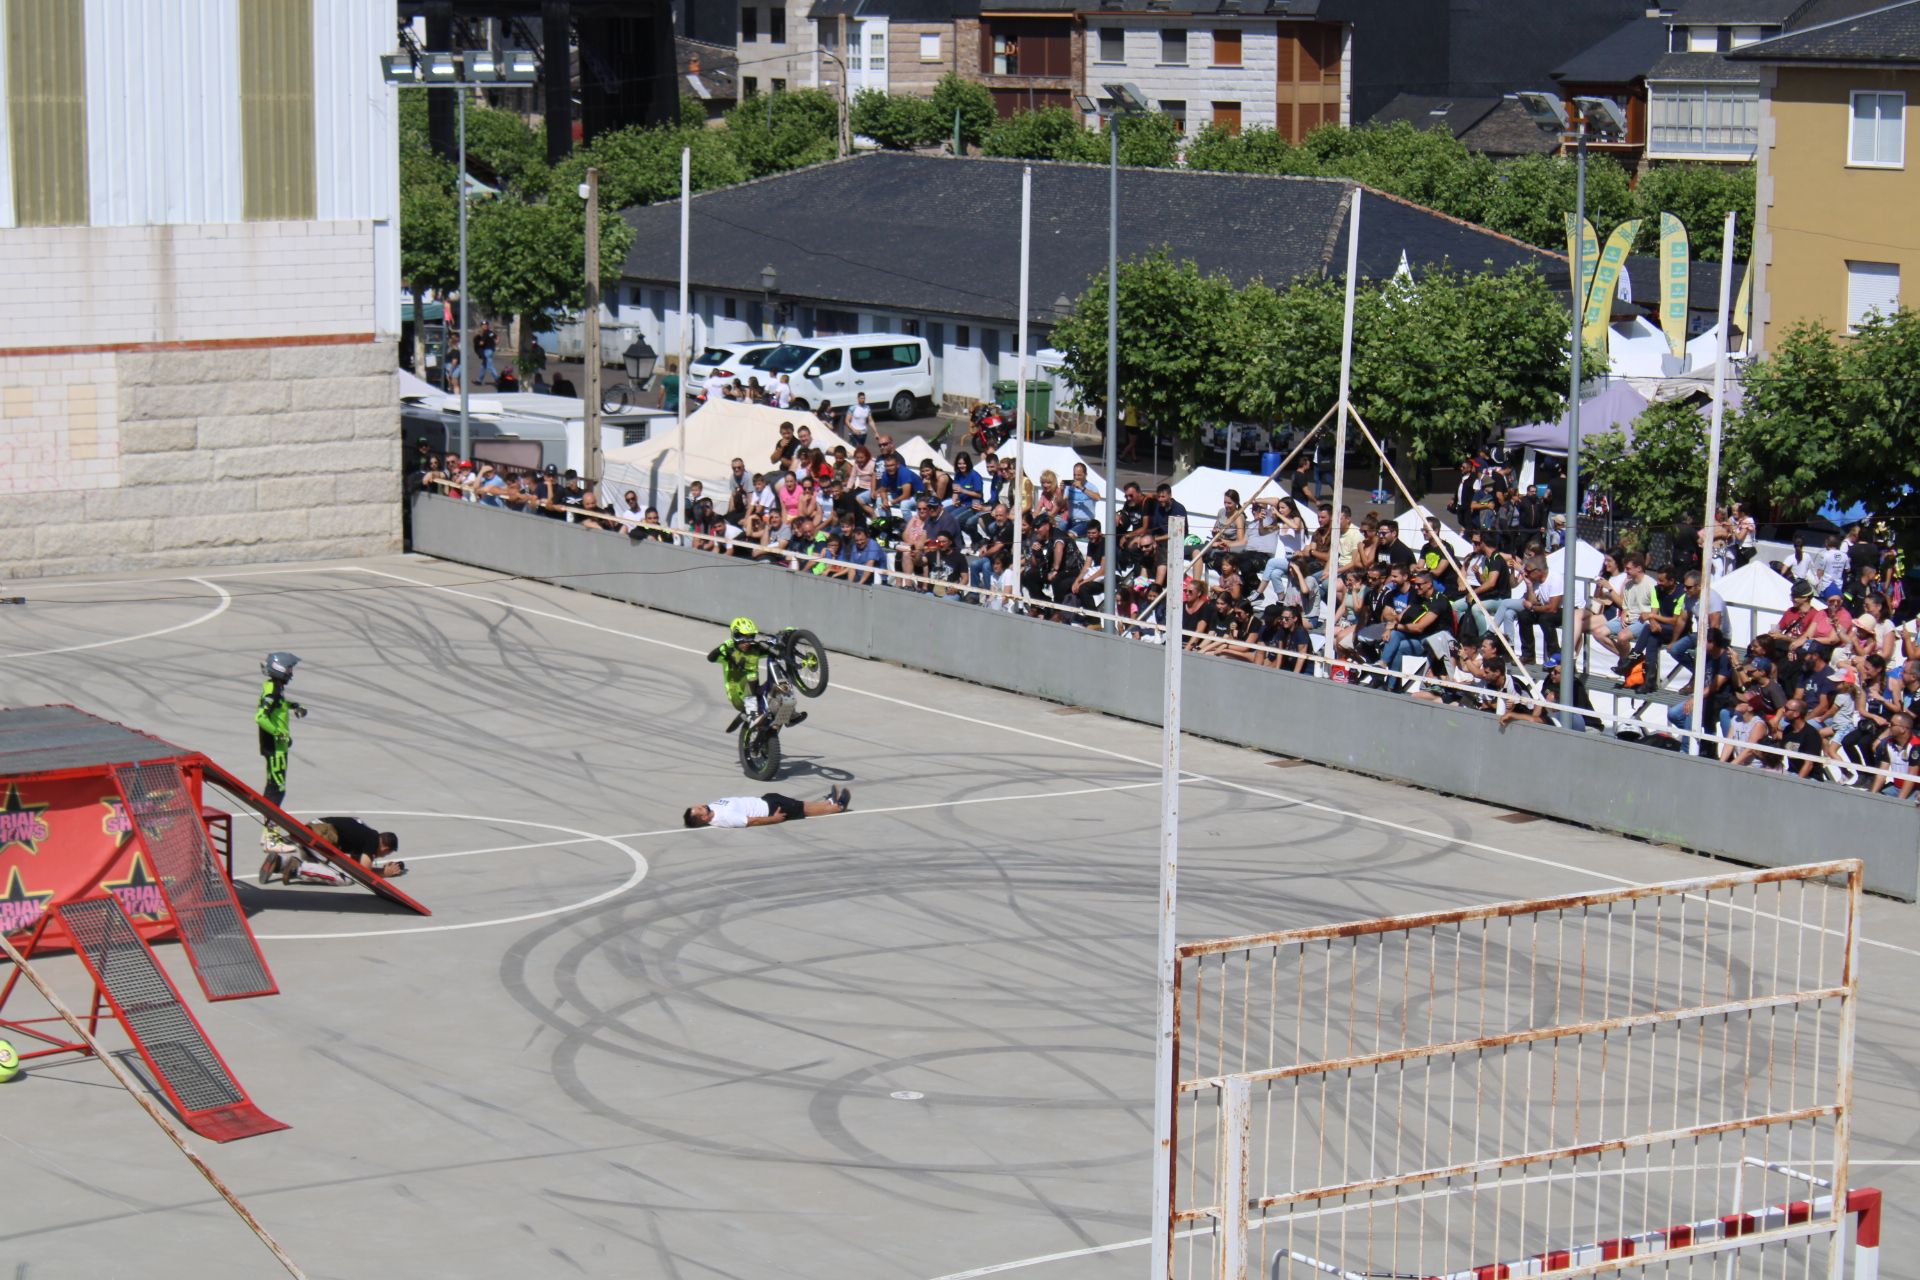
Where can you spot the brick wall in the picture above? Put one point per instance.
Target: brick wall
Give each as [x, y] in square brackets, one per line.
[260, 453]
[907, 73]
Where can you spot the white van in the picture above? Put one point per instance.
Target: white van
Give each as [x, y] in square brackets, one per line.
[895, 371]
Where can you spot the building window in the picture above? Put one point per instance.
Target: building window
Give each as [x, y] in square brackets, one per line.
[1113, 44]
[877, 50]
[1176, 111]
[777, 24]
[1006, 55]
[1703, 119]
[276, 111]
[1027, 46]
[1876, 134]
[779, 86]
[749, 23]
[1873, 288]
[1226, 48]
[1746, 35]
[726, 308]
[930, 47]
[1173, 46]
[752, 86]
[963, 335]
[46, 106]
[1226, 117]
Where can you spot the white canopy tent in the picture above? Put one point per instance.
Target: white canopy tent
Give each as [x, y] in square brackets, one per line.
[1203, 491]
[913, 451]
[717, 434]
[1755, 597]
[1412, 530]
[1056, 458]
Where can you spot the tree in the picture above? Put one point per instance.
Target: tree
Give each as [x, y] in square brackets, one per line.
[973, 101]
[1427, 166]
[806, 130]
[640, 166]
[1174, 342]
[1878, 463]
[897, 121]
[500, 143]
[1791, 424]
[527, 259]
[1530, 198]
[429, 235]
[1700, 195]
[1289, 367]
[1051, 133]
[1657, 471]
[1255, 150]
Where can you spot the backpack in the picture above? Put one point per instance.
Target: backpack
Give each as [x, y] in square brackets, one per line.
[1636, 677]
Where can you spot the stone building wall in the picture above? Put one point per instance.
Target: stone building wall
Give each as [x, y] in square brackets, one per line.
[181, 395]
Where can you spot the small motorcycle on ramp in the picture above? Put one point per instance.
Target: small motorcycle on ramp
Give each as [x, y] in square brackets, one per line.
[791, 662]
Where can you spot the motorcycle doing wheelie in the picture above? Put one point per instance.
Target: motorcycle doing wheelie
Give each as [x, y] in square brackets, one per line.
[791, 662]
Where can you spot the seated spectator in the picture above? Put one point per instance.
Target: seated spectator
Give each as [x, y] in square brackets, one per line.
[944, 563]
[993, 537]
[865, 557]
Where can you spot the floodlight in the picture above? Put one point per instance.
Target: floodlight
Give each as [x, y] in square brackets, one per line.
[1546, 109]
[1085, 104]
[481, 64]
[440, 68]
[519, 65]
[399, 68]
[1127, 98]
[1603, 116]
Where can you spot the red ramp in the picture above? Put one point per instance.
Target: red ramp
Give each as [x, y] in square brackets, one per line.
[191, 1071]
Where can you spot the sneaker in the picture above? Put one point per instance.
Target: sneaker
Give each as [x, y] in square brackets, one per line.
[796, 718]
[844, 799]
[289, 868]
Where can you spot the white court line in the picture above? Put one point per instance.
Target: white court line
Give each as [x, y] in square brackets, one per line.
[1386, 823]
[226, 600]
[639, 874]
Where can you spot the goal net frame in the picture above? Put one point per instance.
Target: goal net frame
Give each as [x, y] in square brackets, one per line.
[1415, 1095]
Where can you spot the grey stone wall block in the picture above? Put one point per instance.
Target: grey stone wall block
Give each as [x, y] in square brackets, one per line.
[110, 538]
[366, 486]
[334, 361]
[247, 528]
[304, 492]
[250, 431]
[377, 423]
[340, 522]
[166, 468]
[191, 368]
[366, 391]
[24, 510]
[163, 500]
[157, 437]
[133, 368]
[204, 400]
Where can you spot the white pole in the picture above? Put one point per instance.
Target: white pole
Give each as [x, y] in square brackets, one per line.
[1020, 375]
[680, 410]
[1340, 426]
[462, 344]
[1163, 1064]
[1702, 609]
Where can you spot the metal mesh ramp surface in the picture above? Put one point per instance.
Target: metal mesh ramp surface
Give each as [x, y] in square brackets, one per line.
[219, 943]
[301, 834]
[210, 1101]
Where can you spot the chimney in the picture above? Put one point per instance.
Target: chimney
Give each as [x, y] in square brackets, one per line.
[693, 65]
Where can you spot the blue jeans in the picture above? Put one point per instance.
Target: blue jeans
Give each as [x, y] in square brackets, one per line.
[1278, 574]
[1681, 650]
[1680, 716]
[486, 366]
[1401, 645]
[980, 572]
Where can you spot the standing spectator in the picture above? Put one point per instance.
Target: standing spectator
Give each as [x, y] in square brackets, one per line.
[670, 385]
[783, 393]
[453, 372]
[484, 343]
[1834, 563]
[859, 419]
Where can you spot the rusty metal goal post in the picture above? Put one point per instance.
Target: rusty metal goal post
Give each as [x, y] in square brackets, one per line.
[1473, 1093]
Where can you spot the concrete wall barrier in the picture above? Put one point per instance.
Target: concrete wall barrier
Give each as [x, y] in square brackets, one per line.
[1589, 778]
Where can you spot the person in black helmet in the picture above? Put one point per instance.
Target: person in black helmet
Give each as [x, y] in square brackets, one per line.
[272, 717]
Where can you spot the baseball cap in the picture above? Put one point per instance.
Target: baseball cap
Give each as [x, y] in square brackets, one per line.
[1802, 589]
[552, 470]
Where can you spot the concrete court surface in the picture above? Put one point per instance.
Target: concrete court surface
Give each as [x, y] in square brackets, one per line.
[909, 1043]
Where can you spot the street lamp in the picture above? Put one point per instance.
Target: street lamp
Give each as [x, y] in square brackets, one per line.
[769, 286]
[846, 88]
[640, 360]
[445, 71]
[1598, 117]
[1127, 101]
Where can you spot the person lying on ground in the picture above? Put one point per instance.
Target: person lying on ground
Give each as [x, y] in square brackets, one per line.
[372, 849]
[765, 810]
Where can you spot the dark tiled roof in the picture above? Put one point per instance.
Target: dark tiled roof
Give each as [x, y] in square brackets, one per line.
[1688, 12]
[1620, 57]
[1703, 281]
[1433, 111]
[1891, 34]
[898, 10]
[717, 68]
[1700, 66]
[1508, 130]
[942, 236]
[1498, 46]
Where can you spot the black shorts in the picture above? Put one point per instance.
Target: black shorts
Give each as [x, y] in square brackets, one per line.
[792, 809]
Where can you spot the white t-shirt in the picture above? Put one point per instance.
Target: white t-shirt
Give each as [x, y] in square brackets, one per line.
[1833, 565]
[783, 394]
[859, 418]
[715, 386]
[733, 811]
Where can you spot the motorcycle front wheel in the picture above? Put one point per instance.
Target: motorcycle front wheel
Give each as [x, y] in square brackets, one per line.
[760, 752]
[806, 660]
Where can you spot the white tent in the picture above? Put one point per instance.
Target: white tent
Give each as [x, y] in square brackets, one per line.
[1755, 596]
[1203, 491]
[1413, 533]
[913, 451]
[720, 432]
[1056, 458]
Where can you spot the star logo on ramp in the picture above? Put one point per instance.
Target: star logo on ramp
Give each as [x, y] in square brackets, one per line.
[21, 824]
[139, 893]
[19, 909]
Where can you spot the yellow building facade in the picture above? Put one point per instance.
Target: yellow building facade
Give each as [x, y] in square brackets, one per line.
[1837, 227]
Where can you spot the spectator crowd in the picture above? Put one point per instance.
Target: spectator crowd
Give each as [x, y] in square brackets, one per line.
[1835, 680]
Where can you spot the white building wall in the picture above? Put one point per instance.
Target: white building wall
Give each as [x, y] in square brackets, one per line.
[356, 117]
[163, 112]
[1198, 83]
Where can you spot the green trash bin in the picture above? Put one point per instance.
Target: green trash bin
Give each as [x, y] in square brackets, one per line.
[1039, 413]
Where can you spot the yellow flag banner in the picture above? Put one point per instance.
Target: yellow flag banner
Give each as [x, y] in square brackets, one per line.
[1589, 245]
[1606, 281]
[1674, 264]
[1743, 311]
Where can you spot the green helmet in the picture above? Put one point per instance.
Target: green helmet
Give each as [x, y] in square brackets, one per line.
[743, 627]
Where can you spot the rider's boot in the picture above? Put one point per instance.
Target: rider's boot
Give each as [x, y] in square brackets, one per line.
[738, 720]
[797, 717]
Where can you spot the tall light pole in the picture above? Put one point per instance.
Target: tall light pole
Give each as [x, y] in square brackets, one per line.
[840, 133]
[1127, 100]
[590, 420]
[460, 72]
[1598, 117]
